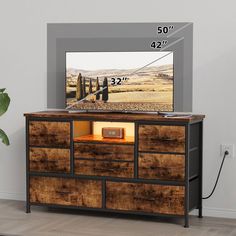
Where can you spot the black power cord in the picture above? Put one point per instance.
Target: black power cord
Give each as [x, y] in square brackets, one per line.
[218, 176]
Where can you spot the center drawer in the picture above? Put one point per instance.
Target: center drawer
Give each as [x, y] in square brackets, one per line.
[104, 160]
[104, 151]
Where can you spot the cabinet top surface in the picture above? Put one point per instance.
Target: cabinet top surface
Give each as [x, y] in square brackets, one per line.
[112, 116]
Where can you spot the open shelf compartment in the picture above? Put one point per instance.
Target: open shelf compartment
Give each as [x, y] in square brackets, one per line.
[91, 131]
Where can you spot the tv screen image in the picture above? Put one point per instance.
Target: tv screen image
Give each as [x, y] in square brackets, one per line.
[120, 81]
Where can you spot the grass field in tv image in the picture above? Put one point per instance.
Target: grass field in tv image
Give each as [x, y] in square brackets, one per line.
[136, 81]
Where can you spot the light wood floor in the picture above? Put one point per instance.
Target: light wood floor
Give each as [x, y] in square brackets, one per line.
[45, 222]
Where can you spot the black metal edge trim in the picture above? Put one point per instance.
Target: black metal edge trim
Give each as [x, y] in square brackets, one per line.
[164, 123]
[96, 159]
[54, 147]
[99, 119]
[177, 122]
[186, 199]
[136, 164]
[45, 119]
[106, 210]
[170, 153]
[200, 169]
[107, 178]
[27, 166]
[181, 182]
[71, 147]
[103, 193]
[102, 142]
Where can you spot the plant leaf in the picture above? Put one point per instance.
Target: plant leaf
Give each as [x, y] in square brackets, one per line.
[4, 101]
[4, 137]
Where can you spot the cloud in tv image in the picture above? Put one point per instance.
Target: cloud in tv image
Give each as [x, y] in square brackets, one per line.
[139, 81]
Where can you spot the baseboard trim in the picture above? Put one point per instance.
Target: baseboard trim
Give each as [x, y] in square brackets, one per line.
[216, 212]
[12, 196]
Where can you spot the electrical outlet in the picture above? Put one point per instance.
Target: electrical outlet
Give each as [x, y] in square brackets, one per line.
[229, 148]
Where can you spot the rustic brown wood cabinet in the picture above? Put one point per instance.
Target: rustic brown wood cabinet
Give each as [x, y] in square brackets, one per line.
[155, 171]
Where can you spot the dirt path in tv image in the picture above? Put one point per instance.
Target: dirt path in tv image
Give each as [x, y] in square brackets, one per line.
[146, 87]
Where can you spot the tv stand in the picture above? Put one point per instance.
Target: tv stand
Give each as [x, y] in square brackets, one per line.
[155, 170]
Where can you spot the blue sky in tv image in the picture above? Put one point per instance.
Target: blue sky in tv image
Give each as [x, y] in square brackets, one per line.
[126, 79]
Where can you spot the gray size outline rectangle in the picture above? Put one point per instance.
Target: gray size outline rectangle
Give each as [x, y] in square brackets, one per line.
[118, 37]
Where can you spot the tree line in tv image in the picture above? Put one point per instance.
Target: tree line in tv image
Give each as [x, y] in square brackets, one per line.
[86, 91]
[120, 81]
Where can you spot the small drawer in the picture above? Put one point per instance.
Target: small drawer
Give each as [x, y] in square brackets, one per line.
[66, 191]
[152, 198]
[49, 160]
[104, 151]
[49, 134]
[104, 168]
[161, 166]
[161, 138]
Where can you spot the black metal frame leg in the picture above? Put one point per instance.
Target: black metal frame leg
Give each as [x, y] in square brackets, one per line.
[27, 208]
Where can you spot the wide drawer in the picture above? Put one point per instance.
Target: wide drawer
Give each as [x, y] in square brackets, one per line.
[161, 138]
[152, 198]
[161, 166]
[49, 134]
[104, 168]
[49, 160]
[104, 151]
[66, 191]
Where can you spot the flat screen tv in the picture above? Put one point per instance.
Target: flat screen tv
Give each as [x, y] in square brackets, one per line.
[120, 81]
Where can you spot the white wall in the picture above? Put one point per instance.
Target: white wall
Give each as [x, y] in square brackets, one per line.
[23, 73]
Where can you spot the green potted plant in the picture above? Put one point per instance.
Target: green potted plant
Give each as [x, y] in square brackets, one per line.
[4, 103]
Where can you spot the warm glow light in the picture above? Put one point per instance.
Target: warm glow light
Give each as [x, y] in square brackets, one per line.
[129, 127]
